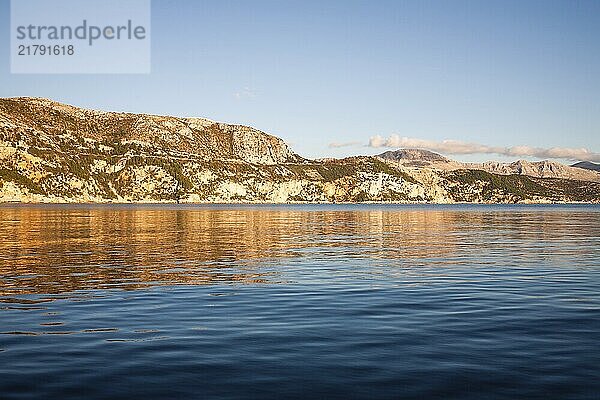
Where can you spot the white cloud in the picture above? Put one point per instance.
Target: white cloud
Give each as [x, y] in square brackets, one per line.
[458, 147]
[337, 145]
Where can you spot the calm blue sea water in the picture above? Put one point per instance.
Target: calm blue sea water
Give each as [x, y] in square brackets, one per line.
[270, 302]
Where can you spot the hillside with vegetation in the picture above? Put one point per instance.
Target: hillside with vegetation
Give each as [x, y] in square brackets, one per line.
[52, 152]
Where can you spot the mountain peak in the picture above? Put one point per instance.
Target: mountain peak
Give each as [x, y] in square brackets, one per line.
[587, 165]
[413, 155]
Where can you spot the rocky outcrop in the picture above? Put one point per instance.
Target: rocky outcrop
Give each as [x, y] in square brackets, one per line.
[200, 137]
[51, 152]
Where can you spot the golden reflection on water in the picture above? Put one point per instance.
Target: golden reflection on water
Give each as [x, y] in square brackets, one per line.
[60, 249]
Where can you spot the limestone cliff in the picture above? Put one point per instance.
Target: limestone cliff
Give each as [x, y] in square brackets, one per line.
[51, 152]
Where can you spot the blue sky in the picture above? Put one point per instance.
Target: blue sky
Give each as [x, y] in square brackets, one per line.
[496, 73]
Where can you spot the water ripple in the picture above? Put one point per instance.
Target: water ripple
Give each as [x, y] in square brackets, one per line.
[322, 301]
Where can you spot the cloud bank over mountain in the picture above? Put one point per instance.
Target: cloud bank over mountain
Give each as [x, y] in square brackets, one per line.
[459, 147]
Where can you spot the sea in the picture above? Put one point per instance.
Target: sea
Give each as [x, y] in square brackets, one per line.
[299, 301]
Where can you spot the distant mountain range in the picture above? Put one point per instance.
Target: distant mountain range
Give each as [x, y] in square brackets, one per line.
[587, 165]
[52, 152]
[542, 169]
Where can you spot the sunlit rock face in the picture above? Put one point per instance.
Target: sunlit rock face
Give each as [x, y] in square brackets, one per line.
[540, 169]
[52, 152]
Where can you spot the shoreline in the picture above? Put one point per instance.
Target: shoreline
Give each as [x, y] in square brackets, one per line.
[295, 203]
